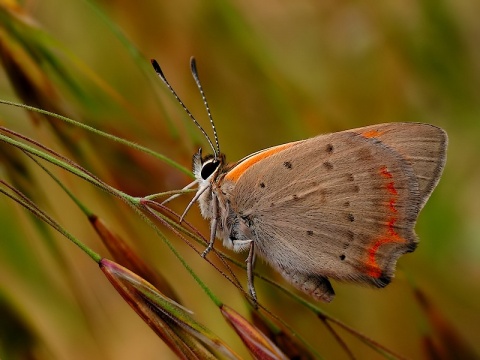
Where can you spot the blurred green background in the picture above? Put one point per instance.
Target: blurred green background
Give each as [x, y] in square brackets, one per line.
[273, 71]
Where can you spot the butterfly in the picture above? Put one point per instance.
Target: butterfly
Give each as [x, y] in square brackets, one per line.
[337, 206]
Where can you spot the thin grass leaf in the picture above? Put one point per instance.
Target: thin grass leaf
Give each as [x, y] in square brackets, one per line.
[103, 134]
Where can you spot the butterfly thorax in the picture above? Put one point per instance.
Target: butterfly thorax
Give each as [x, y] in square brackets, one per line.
[214, 201]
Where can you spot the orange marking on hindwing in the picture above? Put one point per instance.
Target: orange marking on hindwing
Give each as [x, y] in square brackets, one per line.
[390, 236]
[372, 267]
[391, 188]
[240, 169]
[390, 229]
[385, 173]
[391, 205]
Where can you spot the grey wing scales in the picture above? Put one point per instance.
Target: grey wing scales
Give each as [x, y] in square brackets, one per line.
[339, 206]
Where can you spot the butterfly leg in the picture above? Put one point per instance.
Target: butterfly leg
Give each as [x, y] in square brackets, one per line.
[213, 226]
[250, 265]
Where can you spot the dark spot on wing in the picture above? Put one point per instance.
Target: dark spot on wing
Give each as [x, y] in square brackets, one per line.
[346, 204]
[350, 177]
[287, 164]
[309, 232]
[342, 257]
[262, 185]
[351, 217]
[328, 165]
[356, 189]
[294, 197]
[329, 148]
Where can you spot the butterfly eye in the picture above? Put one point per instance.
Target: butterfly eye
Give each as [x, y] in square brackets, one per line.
[209, 168]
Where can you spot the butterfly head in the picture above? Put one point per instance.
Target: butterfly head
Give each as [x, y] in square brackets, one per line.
[208, 167]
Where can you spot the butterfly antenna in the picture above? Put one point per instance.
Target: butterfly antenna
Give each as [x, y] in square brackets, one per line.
[159, 72]
[193, 66]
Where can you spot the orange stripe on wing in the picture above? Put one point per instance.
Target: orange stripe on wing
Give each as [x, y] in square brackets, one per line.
[391, 188]
[391, 205]
[385, 173]
[372, 267]
[239, 170]
[391, 236]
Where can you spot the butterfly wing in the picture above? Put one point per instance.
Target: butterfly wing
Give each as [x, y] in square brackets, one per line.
[340, 205]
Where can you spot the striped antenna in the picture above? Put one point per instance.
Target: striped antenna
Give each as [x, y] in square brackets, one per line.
[159, 72]
[193, 66]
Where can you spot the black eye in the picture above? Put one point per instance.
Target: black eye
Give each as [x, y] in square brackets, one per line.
[209, 168]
